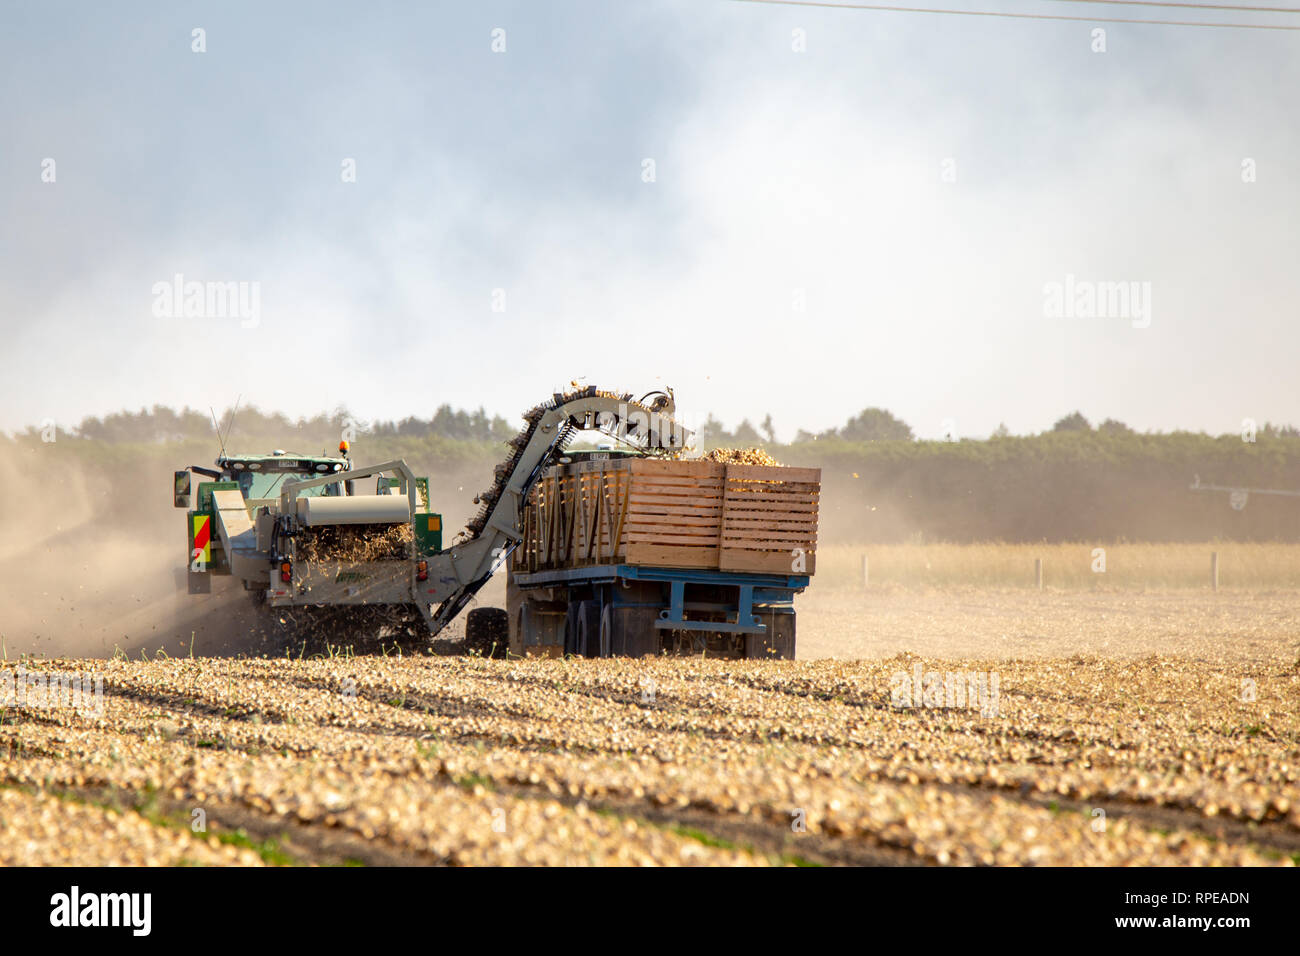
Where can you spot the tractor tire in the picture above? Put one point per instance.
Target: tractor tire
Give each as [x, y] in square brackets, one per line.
[487, 632]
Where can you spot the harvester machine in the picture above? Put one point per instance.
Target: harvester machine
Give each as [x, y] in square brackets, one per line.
[319, 532]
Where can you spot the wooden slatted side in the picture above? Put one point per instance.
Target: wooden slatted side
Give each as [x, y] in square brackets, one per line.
[671, 514]
[573, 518]
[602, 496]
[769, 519]
[674, 513]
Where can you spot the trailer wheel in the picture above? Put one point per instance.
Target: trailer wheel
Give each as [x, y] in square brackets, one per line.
[629, 631]
[541, 630]
[487, 630]
[526, 627]
[588, 625]
[571, 645]
[778, 642]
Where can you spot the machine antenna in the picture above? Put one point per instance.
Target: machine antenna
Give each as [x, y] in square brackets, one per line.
[217, 428]
[230, 425]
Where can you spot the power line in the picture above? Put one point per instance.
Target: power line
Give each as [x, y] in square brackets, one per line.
[1022, 16]
[1194, 6]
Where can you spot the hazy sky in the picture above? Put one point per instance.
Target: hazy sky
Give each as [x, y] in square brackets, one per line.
[801, 250]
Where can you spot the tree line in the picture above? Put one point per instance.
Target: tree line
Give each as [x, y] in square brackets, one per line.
[249, 423]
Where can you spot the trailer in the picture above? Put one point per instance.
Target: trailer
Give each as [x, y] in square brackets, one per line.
[634, 556]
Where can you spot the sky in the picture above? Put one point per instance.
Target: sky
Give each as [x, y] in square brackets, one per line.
[771, 209]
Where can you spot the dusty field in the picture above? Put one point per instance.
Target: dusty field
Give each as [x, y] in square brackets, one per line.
[1081, 565]
[1077, 760]
[1122, 732]
[1238, 625]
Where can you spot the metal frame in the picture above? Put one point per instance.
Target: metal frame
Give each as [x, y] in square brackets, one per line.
[288, 508]
[289, 490]
[459, 571]
[750, 587]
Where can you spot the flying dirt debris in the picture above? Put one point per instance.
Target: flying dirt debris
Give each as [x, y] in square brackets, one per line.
[713, 550]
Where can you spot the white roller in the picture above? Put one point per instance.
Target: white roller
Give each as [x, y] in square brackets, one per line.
[362, 509]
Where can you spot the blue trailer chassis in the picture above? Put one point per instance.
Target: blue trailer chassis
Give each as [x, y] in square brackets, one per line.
[750, 590]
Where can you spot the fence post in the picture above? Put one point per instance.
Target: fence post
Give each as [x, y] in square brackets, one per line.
[1214, 570]
[1038, 573]
[865, 577]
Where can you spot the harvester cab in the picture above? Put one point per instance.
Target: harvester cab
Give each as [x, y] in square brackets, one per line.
[260, 477]
[228, 499]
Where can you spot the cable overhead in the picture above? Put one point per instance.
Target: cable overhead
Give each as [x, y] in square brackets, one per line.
[1192, 6]
[1024, 16]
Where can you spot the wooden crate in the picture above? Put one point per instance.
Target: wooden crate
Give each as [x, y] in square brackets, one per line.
[769, 513]
[679, 514]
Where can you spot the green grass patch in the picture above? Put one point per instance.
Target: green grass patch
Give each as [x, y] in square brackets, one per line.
[269, 850]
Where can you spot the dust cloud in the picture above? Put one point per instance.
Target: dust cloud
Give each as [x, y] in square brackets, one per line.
[84, 573]
[93, 563]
